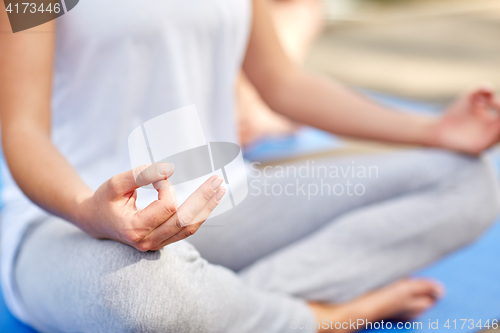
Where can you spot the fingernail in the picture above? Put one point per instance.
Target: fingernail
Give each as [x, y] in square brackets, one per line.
[166, 169]
[217, 183]
[220, 193]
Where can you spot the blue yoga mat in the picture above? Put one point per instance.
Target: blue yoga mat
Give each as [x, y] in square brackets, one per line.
[9, 324]
[307, 140]
[472, 280]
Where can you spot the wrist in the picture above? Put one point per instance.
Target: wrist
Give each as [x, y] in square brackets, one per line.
[428, 129]
[82, 208]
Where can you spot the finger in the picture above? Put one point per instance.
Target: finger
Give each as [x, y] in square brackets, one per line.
[194, 204]
[129, 181]
[480, 96]
[183, 234]
[204, 214]
[482, 107]
[167, 193]
[154, 174]
[160, 211]
[495, 103]
[484, 87]
[162, 219]
[161, 237]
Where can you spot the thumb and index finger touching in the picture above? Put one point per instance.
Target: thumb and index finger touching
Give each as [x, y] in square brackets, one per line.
[156, 174]
[484, 101]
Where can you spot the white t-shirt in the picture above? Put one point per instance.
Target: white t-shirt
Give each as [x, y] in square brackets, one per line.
[118, 64]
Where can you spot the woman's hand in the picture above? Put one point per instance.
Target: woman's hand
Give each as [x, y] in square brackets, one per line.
[471, 124]
[111, 211]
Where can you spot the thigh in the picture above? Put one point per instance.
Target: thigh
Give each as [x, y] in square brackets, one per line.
[70, 282]
[288, 202]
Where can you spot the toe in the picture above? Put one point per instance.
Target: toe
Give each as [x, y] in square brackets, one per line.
[416, 307]
[426, 287]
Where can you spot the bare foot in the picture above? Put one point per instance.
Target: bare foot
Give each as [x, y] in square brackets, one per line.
[402, 300]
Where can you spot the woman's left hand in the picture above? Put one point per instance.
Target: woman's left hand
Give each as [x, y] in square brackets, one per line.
[471, 124]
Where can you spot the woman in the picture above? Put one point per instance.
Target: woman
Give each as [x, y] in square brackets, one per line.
[77, 253]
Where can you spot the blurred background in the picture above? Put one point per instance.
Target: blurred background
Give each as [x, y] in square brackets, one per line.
[428, 50]
[413, 55]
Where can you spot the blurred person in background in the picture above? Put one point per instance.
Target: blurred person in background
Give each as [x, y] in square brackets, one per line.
[79, 251]
[297, 24]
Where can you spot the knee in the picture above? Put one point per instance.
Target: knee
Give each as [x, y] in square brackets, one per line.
[90, 285]
[473, 187]
[153, 294]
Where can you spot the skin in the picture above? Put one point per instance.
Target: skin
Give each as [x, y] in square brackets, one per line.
[26, 66]
[109, 212]
[399, 301]
[297, 24]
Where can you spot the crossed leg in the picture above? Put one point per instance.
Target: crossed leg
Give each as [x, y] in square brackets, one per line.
[295, 263]
[335, 249]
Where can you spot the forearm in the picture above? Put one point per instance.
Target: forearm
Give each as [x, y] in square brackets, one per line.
[327, 105]
[42, 173]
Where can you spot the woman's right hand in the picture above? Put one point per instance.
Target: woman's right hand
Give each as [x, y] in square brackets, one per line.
[111, 212]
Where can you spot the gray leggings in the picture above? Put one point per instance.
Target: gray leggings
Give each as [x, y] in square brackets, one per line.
[277, 249]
